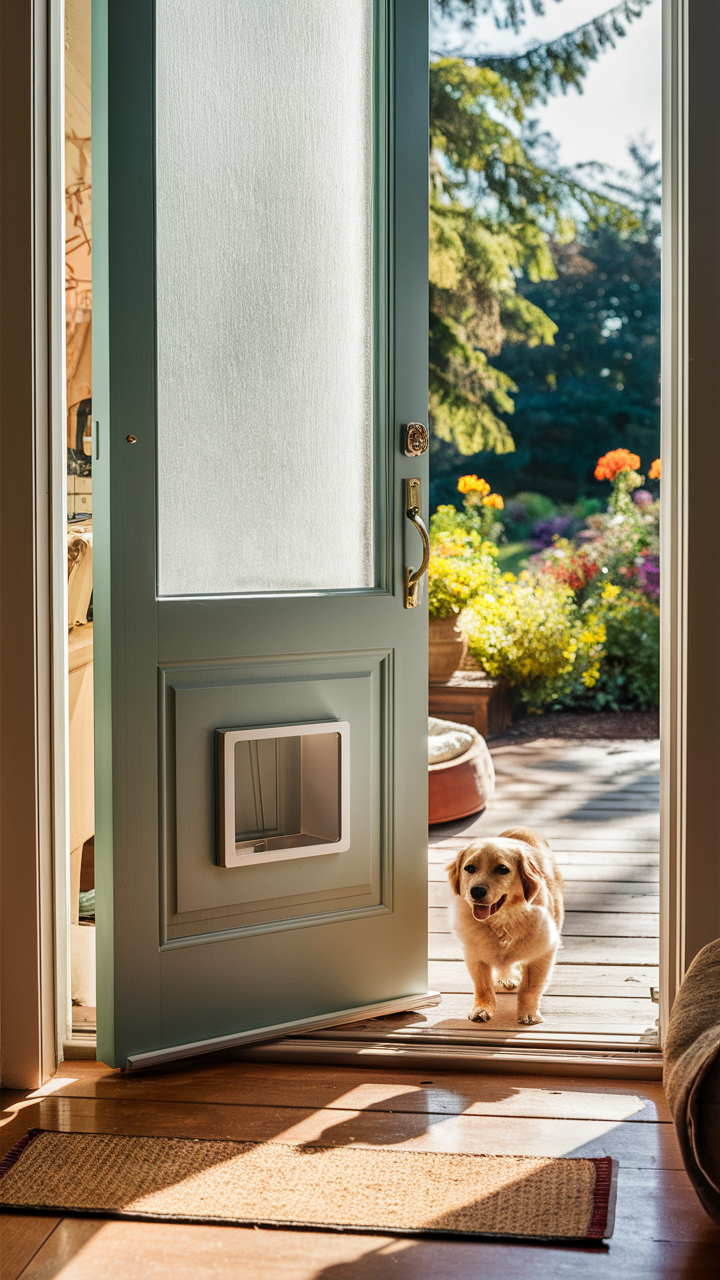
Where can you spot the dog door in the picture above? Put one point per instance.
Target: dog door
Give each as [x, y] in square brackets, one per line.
[283, 792]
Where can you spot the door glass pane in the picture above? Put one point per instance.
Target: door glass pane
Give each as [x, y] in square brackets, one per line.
[264, 295]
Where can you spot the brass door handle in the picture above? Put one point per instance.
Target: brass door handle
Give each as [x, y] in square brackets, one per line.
[412, 511]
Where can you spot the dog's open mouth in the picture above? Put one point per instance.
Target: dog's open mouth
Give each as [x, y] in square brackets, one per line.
[484, 913]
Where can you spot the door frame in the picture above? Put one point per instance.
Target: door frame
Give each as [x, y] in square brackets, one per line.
[33, 818]
[690, 542]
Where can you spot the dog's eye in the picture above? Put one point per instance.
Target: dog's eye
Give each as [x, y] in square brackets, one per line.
[502, 871]
[470, 868]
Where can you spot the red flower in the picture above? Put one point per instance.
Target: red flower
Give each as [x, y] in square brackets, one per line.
[574, 573]
[611, 464]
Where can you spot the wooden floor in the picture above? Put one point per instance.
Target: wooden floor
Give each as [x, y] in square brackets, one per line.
[661, 1229]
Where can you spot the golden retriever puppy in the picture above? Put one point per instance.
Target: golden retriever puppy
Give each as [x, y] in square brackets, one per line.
[507, 913]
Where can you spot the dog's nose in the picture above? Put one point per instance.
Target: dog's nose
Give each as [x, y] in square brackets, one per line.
[478, 892]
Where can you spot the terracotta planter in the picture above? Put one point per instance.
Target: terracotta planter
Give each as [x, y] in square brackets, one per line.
[447, 648]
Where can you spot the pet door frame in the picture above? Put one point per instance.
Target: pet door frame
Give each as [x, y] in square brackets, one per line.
[243, 849]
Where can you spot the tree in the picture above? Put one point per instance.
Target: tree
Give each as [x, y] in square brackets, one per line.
[597, 387]
[498, 200]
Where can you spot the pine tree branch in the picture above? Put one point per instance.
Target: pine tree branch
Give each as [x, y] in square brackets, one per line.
[505, 13]
[562, 63]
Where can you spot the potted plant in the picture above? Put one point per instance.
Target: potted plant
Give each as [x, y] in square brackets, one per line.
[462, 561]
[449, 590]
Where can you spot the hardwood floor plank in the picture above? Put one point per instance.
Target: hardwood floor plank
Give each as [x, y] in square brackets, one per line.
[638, 1146]
[580, 896]
[589, 899]
[576, 950]
[451, 1092]
[21, 1235]
[582, 872]
[581, 924]
[596, 981]
[560, 1012]
[563, 845]
[88, 1250]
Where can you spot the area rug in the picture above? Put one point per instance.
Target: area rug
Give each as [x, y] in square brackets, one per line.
[332, 1188]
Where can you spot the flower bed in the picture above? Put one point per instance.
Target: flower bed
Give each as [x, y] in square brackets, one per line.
[578, 628]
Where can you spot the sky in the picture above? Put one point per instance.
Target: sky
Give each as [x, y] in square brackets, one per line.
[622, 91]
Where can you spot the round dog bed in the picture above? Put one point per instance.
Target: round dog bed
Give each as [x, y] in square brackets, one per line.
[461, 774]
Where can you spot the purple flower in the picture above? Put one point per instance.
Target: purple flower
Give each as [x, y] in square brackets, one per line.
[648, 575]
[545, 530]
[643, 497]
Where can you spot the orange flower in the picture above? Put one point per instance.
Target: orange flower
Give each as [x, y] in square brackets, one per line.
[494, 500]
[611, 464]
[654, 472]
[473, 484]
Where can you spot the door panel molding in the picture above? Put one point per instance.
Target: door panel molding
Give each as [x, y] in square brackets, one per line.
[252, 681]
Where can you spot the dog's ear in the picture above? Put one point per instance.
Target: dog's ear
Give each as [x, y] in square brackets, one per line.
[529, 874]
[454, 870]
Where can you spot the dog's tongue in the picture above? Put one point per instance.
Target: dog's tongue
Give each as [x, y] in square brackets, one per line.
[482, 913]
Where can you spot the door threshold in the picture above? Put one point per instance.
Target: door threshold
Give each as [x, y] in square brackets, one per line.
[613, 1063]
[82, 1048]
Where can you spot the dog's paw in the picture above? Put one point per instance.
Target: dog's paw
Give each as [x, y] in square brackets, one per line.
[530, 1019]
[508, 984]
[480, 1015]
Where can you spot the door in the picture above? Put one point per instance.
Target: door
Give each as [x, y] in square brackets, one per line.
[260, 340]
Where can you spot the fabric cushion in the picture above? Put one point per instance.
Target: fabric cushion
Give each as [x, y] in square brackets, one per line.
[447, 741]
[692, 1074]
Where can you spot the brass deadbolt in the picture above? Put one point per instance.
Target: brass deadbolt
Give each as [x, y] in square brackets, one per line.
[415, 439]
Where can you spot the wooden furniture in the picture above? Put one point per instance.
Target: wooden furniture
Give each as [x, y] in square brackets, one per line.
[471, 697]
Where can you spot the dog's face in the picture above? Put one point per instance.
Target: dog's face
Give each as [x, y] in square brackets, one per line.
[489, 874]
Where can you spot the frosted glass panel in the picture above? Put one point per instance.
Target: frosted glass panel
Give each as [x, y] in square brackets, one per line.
[264, 295]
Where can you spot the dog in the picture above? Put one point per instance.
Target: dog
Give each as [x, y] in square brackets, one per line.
[508, 913]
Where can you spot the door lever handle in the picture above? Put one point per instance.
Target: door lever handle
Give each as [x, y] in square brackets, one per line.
[412, 511]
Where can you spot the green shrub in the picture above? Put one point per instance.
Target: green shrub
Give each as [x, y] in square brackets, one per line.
[630, 670]
[530, 633]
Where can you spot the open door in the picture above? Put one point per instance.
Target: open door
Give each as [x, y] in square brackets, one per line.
[260, 340]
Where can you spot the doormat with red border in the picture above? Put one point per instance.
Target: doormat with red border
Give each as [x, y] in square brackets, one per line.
[274, 1184]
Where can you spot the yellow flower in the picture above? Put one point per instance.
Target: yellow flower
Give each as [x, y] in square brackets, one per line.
[473, 484]
[494, 500]
[610, 592]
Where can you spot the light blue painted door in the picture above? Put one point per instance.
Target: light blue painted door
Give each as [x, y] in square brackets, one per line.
[260, 338]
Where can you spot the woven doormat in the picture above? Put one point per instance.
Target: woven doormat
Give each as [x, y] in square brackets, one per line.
[335, 1188]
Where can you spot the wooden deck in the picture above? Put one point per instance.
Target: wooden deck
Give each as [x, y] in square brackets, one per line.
[598, 805]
